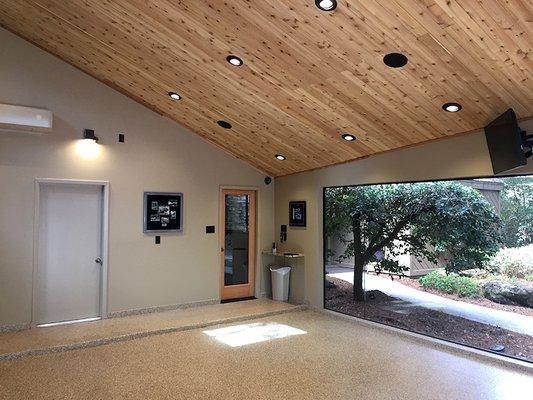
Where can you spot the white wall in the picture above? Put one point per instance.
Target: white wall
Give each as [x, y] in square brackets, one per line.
[158, 155]
[460, 157]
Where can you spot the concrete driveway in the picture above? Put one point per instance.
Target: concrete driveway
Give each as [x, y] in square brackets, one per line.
[412, 297]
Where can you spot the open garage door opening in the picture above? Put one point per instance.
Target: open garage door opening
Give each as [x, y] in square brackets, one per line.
[448, 259]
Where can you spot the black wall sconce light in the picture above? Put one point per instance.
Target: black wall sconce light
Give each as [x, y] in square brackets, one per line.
[88, 134]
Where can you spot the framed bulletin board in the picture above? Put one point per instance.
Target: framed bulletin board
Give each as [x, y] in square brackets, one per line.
[297, 213]
[163, 212]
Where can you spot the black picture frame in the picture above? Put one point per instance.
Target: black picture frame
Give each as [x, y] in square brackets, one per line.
[162, 212]
[297, 213]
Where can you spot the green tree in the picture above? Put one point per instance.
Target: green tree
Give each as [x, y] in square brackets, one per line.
[380, 222]
[517, 210]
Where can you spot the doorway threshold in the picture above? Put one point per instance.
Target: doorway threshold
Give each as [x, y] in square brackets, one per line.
[239, 299]
[74, 321]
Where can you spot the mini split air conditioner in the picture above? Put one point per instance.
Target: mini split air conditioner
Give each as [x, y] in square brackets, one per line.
[25, 119]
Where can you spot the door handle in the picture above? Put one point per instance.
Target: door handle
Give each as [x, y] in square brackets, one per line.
[222, 249]
[98, 260]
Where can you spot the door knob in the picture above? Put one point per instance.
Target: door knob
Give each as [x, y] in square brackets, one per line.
[98, 260]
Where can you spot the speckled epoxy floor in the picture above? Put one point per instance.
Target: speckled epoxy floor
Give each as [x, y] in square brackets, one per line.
[42, 340]
[335, 359]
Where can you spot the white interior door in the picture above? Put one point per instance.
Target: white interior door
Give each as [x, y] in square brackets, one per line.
[70, 246]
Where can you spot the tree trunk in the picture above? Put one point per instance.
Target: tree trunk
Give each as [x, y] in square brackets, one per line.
[358, 290]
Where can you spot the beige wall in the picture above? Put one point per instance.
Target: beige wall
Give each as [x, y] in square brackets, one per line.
[158, 155]
[464, 156]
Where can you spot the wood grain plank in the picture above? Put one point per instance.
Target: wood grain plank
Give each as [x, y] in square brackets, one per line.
[308, 76]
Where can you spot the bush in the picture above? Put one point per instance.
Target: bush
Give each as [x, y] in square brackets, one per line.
[514, 262]
[450, 283]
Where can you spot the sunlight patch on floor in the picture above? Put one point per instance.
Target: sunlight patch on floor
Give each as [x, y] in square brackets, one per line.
[241, 335]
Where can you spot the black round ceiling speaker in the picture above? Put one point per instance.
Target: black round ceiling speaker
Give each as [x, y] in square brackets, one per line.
[224, 124]
[395, 60]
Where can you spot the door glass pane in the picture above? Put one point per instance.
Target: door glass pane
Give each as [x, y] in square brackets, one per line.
[236, 240]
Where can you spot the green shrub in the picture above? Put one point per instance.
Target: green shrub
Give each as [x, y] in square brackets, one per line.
[450, 283]
[514, 262]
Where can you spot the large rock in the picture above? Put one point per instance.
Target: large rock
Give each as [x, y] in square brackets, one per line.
[517, 294]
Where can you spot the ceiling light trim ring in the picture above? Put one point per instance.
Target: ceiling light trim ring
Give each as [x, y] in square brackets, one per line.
[331, 5]
[452, 107]
[234, 60]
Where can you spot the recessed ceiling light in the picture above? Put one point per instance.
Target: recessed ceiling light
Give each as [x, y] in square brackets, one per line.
[326, 5]
[395, 60]
[174, 96]
[224, 124]
[452, 107]
[348, 137]
[234, 60]
[280, 157]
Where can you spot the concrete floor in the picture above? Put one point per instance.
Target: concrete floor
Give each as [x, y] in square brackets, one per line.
[44, 340]
[334, 358]
[504, 319]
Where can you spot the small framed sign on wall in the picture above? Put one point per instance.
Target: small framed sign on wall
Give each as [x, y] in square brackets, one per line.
[297, 213]
[163, 212]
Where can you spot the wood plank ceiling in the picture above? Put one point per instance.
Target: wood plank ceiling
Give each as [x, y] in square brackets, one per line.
[308, 75]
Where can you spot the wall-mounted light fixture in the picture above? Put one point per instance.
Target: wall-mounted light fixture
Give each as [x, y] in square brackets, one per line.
[88, 134]
[88, 147]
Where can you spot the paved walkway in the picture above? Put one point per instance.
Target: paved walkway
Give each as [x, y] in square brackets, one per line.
[504, 319]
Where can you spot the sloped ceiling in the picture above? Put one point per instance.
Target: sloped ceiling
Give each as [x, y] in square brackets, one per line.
[308, 75]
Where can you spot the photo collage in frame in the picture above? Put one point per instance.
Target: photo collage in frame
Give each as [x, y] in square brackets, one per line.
[163, 212]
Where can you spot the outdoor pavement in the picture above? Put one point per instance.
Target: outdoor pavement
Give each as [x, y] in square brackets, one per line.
[411, 298]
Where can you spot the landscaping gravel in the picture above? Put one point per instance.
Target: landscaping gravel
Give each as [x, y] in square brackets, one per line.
[391, 311]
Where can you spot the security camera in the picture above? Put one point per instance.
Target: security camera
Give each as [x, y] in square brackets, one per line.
[268, 180]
